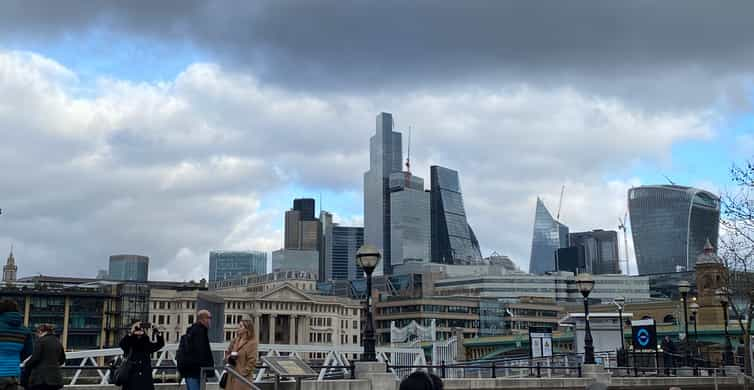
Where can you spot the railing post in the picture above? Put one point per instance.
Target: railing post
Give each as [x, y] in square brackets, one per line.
[353, 370]
[539, 373]
[494, 374]
[442, 369]
[579, 367]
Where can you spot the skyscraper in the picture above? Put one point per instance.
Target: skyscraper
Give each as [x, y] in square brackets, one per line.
[339, 247]
[385, 157]
[549, 235]
[452, 239]
[670, 225]
[410, 233]
[227, 265]
[600, 248]
[301, 228]
[132, 268]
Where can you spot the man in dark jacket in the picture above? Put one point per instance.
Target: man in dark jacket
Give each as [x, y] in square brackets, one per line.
[198, 354]
[15, 344]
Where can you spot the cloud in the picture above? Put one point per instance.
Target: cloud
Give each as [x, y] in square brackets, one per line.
[176, 168]
[655, 55]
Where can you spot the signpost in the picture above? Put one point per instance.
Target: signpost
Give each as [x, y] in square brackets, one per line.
[289, 366]
[540, 342]
[644, 338]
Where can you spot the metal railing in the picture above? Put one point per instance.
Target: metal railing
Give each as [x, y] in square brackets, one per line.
[231, 371]
[492, 369]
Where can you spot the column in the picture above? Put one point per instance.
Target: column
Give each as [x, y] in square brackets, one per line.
[256, 327]
[27, 310]
[66, 314]
[273, 317]
[292, 329]
[303, 338]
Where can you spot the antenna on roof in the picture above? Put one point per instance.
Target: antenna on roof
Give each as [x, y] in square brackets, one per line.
[560, 204]
[668, 179]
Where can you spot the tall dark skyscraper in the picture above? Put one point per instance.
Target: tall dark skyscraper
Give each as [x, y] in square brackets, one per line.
[301, 228]
[385, 157]
[305, 207]
[670, 225]
[549, 235]
[452, 239]
[600, 248]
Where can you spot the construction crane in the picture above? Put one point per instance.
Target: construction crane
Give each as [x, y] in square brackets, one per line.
[622, 226]
[408, 160]
[560, 204]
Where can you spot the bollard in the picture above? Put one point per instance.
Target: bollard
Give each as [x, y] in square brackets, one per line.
[442, 369]
[494, 374]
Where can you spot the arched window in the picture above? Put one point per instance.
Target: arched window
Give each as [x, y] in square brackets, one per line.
[669, 319]
[646, 318]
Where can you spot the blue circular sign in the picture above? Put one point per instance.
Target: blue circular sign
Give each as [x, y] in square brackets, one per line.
[643, 337]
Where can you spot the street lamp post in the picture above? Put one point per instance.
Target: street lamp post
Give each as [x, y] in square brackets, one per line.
[722, 296]
[585, 283]
[694, 311]
[620, 302]
[367, 258]
[683, 288]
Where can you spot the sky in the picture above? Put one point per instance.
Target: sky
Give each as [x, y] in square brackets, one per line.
[173, 128]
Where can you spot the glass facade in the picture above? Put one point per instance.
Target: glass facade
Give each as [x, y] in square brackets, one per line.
[410, 219]
[491, 317]
[670, 225]
[452, 240]
[132, 268]
[601, 254]
[227, 265]
[385, 157]
[346, 241]
[549, 235]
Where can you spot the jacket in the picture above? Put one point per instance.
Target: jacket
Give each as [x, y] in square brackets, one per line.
[199, 353]
[15, 344]
[45, 362]
[140, 349]
[245, 364]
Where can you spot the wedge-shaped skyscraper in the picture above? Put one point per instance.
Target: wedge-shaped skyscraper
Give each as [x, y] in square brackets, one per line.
[549, 235]
[453, 241]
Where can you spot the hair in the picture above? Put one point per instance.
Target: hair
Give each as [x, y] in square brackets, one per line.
[46, 328]
[7, 305]
[202, 315]
[249, 325]
[420, 380]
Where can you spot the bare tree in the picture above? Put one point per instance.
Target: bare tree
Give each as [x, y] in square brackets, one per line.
[737, 249]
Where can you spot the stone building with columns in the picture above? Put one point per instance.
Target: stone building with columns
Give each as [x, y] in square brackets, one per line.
[284, 307]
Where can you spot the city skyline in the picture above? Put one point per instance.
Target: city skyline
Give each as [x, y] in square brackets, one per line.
[123, 135]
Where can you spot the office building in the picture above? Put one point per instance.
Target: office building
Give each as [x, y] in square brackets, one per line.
[549, 235]
[600, 251]
[295, 260]
[301, 228]
[385, 158]
[410, 233]
[225, 265]
[132, 268]
[670, 225]
[452, 239]
[339, 247]
[570, 259]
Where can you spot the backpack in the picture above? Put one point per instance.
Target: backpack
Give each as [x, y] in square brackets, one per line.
[183, 354]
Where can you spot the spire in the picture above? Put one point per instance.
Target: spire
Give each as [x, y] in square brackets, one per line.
[10, 268]
[11, 259]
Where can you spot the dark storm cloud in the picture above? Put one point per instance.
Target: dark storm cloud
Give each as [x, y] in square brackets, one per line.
[359, 45]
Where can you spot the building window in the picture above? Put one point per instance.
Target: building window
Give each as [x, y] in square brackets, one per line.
[168, 320]
[355, 324]
[329, 337]
[355, 339]
[191, 319]
[160, 320]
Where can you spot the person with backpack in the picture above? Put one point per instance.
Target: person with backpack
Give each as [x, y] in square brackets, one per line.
[44, 364]
[15, 344]
[137, 349]
[194, 352]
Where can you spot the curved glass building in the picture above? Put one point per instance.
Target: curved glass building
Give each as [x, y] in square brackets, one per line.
[670, 225]
[549, 235]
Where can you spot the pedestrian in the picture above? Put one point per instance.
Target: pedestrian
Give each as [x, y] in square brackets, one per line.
[669, 352]
[44, 364]
[242, 355]
[138, 348]
[194, 353]
[421, 380]
[15, 344]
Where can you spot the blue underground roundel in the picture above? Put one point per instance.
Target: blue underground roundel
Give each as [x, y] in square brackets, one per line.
[643, 338]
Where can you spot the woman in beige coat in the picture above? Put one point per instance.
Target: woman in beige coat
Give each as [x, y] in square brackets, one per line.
[242, 355]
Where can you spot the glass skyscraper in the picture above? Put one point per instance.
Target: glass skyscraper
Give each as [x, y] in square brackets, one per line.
[410, 219]
[301, 228]
[385, 157]
[227, 265]
[452, 240]
[339, 247]
[601, 255]
[132, 268]
[670, 225]
[549, 235]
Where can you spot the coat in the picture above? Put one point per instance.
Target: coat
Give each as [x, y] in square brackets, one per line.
[45, 362]
[15, 344]
[199, 353]
[245, 364]
[140, 349]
